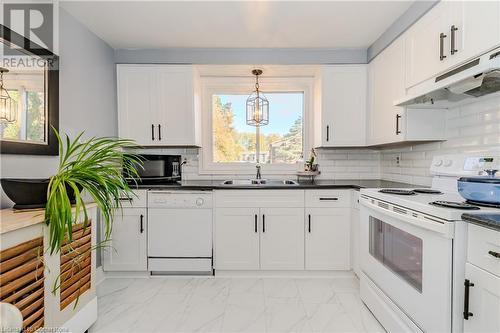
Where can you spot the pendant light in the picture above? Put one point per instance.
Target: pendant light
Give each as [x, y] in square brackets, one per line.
[257, 104]
[8, 106]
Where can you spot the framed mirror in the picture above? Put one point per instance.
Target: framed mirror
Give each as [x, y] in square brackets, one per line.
[29, 96]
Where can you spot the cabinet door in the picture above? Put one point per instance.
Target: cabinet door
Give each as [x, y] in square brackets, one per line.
[484, 301]
[136, 103]
[127, 247]
[386, 84]
[176, 105]
[477, 26]
[282, 238]
[344, 105]
[237, 238]
[423, 46]
[327, 239]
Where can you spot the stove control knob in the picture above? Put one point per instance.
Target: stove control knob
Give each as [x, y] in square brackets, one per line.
[438, 163]
[448, 163]
[199, 202]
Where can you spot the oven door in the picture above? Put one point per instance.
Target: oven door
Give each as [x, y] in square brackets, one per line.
[409, 263]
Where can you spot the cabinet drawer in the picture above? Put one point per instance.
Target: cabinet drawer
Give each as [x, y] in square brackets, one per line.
[328, 198]
[139, 200]
[483, 244]
[259, 198]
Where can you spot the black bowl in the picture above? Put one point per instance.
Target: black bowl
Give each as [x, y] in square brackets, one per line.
[29, 193]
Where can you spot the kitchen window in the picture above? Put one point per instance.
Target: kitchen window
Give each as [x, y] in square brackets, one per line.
[230, 144]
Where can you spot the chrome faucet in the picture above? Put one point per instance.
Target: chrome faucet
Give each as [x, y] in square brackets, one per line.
[258, 175]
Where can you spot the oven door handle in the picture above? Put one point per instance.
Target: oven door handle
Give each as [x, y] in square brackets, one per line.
[443, 228]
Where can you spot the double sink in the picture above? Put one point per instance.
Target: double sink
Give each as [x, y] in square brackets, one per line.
[259, 182]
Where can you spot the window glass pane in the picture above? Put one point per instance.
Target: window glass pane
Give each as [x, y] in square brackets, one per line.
[281, 141]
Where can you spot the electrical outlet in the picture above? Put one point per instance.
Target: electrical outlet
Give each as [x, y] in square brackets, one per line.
[398, 160]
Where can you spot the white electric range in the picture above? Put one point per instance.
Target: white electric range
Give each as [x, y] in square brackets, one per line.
[413, 250]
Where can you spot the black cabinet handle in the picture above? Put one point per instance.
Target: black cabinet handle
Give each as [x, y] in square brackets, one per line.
[125, 199]
[142, 224]
[152, 132]
[452, 38]
[159, 132]
[442, 36]
[327, 133]
[398, 131]
[328, 199]
[256, 224]
[263, 223]
[309, 227]
[494, 254]
[467, 285]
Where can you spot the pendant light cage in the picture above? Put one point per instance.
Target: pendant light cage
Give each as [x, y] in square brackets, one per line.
[257, 105]
[8, 106]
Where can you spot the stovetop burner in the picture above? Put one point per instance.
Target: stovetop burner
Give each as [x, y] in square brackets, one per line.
[477, 203]
[398, 192]
[427, 191]
[454, 204]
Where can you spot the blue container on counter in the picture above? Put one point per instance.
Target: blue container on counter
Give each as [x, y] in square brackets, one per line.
[480, 189]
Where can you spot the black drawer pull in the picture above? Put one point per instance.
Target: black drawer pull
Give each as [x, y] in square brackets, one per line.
[309, 227]
[328, 199]
[263, 223]
[494, 254]
[467, 285]
[256, 224]
[142, 224]
[159, 132]
[125, 199]
[152, 132]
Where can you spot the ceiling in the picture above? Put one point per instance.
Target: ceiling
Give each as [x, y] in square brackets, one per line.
[237, 24]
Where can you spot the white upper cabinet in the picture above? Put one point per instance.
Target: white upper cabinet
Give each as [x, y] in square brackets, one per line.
[157, 105]
[392, 124]
[386, 84]
[426, 44]
[450, 33]
[340, 106]
[475, 25]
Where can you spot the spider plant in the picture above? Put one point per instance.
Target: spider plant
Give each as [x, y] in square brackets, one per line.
[96, 166]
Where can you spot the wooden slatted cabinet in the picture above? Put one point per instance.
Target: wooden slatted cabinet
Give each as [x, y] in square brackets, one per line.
[22, 281]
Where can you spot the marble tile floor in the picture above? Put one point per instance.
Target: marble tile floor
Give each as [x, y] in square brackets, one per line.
[207, 304]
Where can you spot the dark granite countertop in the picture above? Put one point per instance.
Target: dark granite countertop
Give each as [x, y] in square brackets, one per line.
[320, 184]
[487, 220]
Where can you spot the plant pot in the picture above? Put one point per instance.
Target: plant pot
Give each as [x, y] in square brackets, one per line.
[29, 193]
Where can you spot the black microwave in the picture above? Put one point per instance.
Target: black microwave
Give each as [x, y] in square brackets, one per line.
[159, 169]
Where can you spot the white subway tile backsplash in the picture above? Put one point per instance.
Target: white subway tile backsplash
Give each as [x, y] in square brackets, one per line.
[472, 128]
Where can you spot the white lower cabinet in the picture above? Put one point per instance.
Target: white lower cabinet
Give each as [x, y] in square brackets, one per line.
[282, 238]
[483, 302]
[126, 250]
[327, 239]
[279, 234]
[259, 238]
[237, 238]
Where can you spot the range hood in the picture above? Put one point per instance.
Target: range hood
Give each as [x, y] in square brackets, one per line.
[476, 78]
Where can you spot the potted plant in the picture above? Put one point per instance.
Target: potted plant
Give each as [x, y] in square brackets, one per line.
[97, 166]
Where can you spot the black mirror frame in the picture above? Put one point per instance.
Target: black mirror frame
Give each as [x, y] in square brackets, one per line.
[52, 85]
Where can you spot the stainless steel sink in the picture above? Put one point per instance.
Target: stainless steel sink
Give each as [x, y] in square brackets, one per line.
[259, 182]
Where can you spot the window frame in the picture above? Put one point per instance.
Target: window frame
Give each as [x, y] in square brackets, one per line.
[243, 85]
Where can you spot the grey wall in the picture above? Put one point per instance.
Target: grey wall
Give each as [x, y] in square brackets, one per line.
[415, 12]
[230, 56]
[87, 96]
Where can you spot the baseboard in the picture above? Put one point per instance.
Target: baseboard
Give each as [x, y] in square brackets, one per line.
[286, 274]
[99, 275]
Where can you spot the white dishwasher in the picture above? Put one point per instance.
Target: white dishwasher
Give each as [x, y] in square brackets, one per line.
[179, 232]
